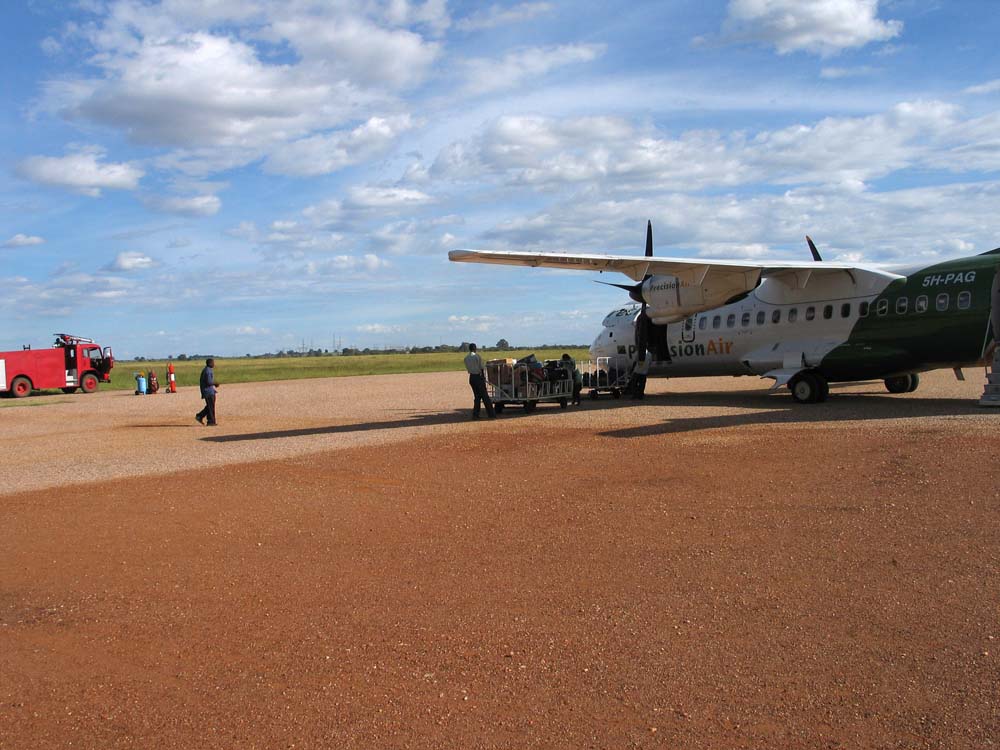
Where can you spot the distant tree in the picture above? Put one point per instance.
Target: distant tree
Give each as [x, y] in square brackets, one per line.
[464, 347]
[182, 357]
[502, 344]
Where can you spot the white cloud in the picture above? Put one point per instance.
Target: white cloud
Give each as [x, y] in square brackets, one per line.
[823, 27]
[477, 323]
[197, 205]
[990, 87]
[131, 261]
[356, 49]
[387, 198]
[498, 15]
[23, 240]
[322, 154]
[379, 328]
[82, 172]
[368, 263]
[484, 75]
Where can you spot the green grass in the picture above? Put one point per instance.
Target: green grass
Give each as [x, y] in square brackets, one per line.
[244, 370]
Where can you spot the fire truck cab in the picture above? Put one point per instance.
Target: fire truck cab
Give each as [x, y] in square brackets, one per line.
[72, 362]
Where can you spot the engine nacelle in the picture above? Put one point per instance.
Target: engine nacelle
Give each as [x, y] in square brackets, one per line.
[673, 298]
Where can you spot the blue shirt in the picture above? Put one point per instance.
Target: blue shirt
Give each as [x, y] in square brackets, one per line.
[207, 382]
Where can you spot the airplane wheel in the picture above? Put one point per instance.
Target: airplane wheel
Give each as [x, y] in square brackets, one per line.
[529, 406]
[914, 383]
[824, 389]
[806, 388]
[563, 403]
[898, 384]
[20, 387]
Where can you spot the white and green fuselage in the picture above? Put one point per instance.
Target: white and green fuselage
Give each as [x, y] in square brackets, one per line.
[861, 324]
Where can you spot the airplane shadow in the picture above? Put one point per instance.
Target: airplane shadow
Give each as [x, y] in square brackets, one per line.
[780, 409]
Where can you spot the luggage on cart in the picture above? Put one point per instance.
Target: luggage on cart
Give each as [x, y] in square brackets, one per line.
[500, 371]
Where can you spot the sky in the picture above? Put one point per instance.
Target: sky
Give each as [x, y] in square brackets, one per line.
[243, 176]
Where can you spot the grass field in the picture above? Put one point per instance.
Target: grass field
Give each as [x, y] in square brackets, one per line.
[247, 370]
[243, 370]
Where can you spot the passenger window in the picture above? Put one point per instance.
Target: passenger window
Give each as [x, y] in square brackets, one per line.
[863, 309]
[730, 320]
[920, 305]
[776, 316]
[761, 317]
[964, 300]
[845, 310]
[827, 312]
[883, 307]
[702, 323]
[716, 321]
[745, 321]
[810, 312]
[793, 315]
[941, 303]
[901, 305]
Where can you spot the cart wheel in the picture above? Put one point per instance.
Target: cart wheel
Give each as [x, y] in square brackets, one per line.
[498, 408]
[616, 393]
[529, 406]
[593, 395]
[563, 403]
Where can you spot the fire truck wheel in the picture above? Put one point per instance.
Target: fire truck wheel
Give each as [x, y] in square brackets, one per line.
[69, 390]
[89, 383]
[20, 387]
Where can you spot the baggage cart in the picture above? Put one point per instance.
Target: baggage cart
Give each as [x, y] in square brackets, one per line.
[528, 383]
[606, 375]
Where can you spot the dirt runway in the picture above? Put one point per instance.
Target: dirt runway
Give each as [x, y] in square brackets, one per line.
[352, 563]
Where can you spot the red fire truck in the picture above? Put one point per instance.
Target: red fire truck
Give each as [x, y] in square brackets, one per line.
[72, 362]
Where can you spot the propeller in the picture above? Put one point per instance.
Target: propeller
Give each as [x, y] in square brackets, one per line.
[643, 323]
[813, 250]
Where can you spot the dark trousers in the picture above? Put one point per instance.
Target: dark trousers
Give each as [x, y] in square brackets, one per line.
[209, 410]
[577, 387]
[479, 392]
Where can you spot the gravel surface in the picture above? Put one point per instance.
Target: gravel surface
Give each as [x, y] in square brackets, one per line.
[354, 563]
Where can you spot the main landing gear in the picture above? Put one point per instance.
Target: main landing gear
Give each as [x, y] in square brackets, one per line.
[809, 387]
[902, 383]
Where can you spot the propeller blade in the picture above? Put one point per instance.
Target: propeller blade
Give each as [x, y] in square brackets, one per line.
[649, 239]
[812, 249]
[634, 290]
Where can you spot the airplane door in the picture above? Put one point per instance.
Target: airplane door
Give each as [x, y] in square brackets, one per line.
[995, 305]
[688, 329]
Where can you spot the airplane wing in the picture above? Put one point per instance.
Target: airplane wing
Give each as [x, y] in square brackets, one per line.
[794, 273]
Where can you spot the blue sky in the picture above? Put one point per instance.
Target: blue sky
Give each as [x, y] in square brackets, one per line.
[234, 176]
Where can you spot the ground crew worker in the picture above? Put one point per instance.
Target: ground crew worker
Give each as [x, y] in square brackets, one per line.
[474, 365]
[208, 386]
[639, 374]
[575, 375]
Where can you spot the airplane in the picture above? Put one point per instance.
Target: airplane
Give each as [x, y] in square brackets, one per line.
[804, 324]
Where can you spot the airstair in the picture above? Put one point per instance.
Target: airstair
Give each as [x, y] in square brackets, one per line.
[991, 394]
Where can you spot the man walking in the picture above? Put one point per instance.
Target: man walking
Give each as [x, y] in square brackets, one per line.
[474, 364]
[208, 386]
